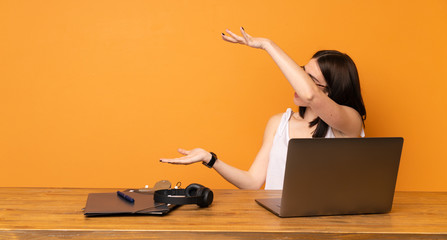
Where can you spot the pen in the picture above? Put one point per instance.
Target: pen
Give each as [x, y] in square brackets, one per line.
[126, 197]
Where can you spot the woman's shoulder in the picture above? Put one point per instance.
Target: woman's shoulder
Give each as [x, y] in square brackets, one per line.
[277, 117]
[275, 120]
[273, 124]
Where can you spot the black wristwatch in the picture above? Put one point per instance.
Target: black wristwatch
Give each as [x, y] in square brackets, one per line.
[210, 164]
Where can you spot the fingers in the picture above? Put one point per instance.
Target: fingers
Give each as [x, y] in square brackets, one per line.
[229, 39]
[237, 37]
[233, 38]
[245, 39]
[245, 35]
[182, 160]
[190, 157]
[183, 151]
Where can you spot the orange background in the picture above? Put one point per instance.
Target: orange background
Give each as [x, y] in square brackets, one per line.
[93, 93]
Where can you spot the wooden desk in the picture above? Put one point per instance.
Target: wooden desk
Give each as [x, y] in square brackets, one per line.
[48, 213]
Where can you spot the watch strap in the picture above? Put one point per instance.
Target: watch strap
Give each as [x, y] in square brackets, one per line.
[210, 164]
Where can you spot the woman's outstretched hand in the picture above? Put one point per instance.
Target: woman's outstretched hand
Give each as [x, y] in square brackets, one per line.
[245, 39]
[191, 156]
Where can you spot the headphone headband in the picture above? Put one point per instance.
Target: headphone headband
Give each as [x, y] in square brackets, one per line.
[174, 196]
[193, 194]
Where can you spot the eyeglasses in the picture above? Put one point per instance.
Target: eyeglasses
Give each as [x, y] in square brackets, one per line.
[320, 85]
[314, 79]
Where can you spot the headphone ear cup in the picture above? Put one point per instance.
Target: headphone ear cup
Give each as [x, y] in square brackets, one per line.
[194, 190]
[206, 198]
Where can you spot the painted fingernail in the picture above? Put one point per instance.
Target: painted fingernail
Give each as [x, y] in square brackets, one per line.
[161, 161]
[223, 34]
[243, 28]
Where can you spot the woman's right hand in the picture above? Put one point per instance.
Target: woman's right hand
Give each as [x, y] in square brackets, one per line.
[245, 39]
[190, 156]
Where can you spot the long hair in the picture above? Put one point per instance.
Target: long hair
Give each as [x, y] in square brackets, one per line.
[343, 86]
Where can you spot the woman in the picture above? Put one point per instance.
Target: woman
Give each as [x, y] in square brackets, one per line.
[327, 92]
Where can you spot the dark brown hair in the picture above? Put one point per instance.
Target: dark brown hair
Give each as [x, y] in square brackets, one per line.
[343, 85]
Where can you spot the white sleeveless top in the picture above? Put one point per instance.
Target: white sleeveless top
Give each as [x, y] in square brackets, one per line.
[278, 153]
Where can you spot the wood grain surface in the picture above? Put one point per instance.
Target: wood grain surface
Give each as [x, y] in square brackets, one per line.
[49, 213]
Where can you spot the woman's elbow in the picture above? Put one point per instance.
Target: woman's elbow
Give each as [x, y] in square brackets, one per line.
[255, 185]
[251, 187]
[308, 99]
[312, 96]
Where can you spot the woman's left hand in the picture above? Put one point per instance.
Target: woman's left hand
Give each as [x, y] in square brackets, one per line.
[190, 156]
[245, 39]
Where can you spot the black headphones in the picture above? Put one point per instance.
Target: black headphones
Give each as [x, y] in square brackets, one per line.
[193, 194]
